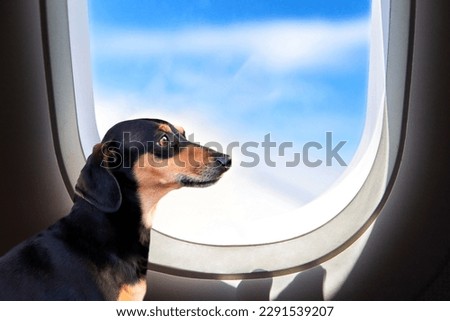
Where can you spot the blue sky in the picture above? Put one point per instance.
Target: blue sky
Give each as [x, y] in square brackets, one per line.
[237, 70]
[170, 14]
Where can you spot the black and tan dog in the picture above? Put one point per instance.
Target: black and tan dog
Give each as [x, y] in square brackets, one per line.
[100, 250]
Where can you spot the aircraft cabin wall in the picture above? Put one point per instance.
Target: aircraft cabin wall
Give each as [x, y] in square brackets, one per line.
[33, 193]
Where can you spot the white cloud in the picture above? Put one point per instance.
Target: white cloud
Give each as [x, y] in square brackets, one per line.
[275, 45]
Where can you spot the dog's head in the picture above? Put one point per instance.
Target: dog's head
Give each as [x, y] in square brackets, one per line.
[153, 156]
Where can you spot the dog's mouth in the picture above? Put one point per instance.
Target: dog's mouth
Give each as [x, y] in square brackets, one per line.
[210, 174]
[194, 182]
[208, 178]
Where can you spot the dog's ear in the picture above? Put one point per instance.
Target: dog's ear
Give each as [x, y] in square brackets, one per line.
[96, 184]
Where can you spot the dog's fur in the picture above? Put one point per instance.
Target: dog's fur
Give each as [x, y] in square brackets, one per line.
[100, 250]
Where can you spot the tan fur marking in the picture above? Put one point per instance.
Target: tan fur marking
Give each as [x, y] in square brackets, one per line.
[192, 160]
[133, 292]
[180, 129]
[165, 128]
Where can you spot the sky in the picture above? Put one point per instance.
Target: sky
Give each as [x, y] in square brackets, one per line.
[236, 71]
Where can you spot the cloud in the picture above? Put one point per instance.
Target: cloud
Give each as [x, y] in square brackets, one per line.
[274, 45]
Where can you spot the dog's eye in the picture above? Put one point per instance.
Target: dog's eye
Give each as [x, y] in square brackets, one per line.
[163, 141]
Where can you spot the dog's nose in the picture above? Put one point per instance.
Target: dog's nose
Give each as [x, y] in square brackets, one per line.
[224, 160]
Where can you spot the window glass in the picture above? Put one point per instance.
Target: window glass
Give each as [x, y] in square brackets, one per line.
[281, 85]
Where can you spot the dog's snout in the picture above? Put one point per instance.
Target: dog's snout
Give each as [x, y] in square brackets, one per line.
[223, 160]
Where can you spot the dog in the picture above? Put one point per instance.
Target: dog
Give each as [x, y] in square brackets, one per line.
[99, 251]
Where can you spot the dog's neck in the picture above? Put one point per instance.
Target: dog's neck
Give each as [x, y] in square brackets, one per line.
[151, 186]
[140, 200]
[148, 200]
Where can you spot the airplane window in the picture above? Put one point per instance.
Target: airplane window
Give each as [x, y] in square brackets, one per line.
[281, 86]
